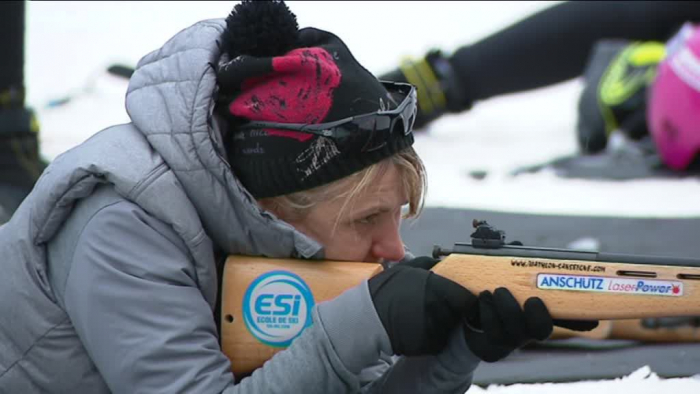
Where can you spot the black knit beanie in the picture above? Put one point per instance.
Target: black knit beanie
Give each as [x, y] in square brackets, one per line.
[278, 73]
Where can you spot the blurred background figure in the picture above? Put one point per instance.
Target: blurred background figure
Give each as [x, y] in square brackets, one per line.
[20, 163]
[615, 46]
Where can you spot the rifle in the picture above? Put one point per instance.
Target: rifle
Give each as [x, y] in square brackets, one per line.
[266, 303]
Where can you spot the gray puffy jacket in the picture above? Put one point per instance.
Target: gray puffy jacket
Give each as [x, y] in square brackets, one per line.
[109, 279]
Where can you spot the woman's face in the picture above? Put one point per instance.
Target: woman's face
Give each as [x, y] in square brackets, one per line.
[368, 228]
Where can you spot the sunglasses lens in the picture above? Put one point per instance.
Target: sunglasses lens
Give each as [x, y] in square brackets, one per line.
[382, 123]
[376, 139]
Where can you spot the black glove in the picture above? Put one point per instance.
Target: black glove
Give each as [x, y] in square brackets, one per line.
[617, 76]
[438, 86]
[498, 325]
[418, 308]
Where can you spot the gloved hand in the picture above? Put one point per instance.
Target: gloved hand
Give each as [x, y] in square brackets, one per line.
[614, 98]
[438, 86]
[418, 308]
[498, 325]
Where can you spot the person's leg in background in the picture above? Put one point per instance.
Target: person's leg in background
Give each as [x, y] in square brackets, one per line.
[20, 163]
[547, 47]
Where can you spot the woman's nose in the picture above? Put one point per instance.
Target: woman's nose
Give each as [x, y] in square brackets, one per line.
[388, 245]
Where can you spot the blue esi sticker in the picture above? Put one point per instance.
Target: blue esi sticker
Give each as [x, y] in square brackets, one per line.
[277, 307]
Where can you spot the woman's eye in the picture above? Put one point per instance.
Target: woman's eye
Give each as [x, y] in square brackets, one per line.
[369, 219]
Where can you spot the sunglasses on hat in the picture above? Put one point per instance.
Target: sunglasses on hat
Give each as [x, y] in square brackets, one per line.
[372, 128]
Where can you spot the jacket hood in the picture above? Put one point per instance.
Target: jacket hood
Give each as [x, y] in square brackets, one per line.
[170, 100]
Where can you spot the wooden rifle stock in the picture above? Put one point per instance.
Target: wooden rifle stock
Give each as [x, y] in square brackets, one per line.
[264, 300]
[326, 280]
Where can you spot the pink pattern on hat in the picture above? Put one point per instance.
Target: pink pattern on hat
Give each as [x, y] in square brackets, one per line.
[300, 90]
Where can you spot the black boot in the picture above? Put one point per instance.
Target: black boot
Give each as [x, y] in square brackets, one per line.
[439, 89]
[20, 163]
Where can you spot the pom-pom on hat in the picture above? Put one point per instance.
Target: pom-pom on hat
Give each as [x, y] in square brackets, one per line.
[278, 73]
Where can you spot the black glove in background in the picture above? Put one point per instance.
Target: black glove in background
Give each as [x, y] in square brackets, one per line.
[617, 78]
[499, 325]
[418, 308]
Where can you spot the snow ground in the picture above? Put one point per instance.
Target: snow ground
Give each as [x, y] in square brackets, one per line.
[70, 44]
[642, 380]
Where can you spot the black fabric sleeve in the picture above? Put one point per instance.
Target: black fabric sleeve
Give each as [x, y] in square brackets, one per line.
[553, 45]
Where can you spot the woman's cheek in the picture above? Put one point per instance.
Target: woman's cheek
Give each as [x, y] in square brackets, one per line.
[361, 248]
